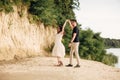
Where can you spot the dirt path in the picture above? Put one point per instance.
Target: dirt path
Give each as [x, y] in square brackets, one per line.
[42, 68]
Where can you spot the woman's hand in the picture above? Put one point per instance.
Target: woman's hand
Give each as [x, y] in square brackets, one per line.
[67, 20]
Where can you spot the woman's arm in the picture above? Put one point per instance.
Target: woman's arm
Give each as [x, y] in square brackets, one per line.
[63, 27]
[70, 23]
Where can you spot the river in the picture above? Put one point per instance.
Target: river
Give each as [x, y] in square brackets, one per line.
[115, 51]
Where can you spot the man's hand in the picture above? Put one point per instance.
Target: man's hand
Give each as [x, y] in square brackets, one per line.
[69, 45]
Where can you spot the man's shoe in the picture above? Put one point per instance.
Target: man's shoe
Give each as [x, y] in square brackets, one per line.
[69, 65]
[77, 66]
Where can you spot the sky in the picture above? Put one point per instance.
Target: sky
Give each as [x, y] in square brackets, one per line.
[101, 16]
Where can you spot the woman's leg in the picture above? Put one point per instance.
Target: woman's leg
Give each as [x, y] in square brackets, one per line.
[58, 59]
[60, 63]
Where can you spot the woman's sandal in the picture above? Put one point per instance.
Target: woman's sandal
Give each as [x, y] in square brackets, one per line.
[60, 64]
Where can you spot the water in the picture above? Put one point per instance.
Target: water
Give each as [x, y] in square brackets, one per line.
[115, 51]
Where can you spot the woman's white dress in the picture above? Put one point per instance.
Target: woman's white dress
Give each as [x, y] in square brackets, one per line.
[58, 49]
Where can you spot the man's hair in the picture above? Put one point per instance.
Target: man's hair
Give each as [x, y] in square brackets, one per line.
[74, 20]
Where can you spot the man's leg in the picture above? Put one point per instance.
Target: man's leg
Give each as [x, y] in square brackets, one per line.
[71, 56]
[76, 46]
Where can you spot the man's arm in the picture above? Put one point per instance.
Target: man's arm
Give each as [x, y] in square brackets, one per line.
[74, 35]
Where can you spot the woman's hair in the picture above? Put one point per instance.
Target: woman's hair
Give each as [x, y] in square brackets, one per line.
[60, 27]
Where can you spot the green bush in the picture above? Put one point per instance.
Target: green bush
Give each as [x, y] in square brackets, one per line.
[110, 59]
[44, 9]
[92, 47]
[6, 6]
[55, 12]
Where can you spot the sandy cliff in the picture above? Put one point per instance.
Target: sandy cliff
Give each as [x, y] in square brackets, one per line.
[19, 38]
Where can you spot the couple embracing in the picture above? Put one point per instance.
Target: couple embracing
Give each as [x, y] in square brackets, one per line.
[59, 49]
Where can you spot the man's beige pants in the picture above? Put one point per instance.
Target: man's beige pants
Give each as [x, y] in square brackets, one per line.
[74, 49]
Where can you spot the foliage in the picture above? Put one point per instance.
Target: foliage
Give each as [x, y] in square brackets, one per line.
[67, 37]
[55, 12]
[50, 12]
[92, 47]
[110, 59]
[6, 6]
[112, 43]
[49, 48]
[44, 9]
[65, 11]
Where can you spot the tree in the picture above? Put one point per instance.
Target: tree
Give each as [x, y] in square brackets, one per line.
[64, 10]
[44, 10]
[92, 47]
[55, 12]
[111, 43]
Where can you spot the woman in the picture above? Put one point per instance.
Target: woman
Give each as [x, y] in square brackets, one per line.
[59, 49]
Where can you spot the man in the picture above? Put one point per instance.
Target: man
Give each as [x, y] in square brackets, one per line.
[74, 43]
